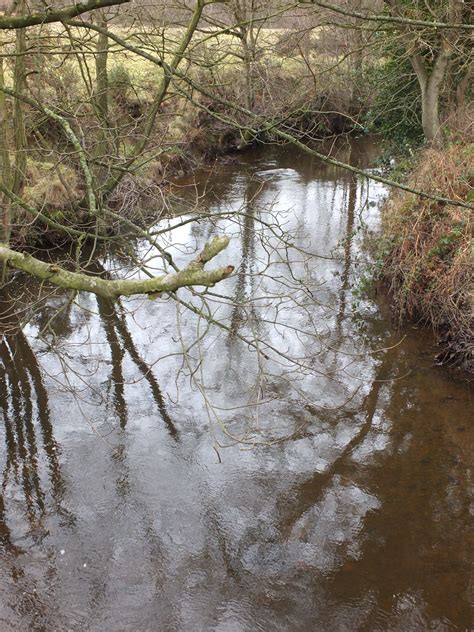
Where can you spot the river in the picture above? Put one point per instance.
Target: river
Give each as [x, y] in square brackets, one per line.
[281, 458]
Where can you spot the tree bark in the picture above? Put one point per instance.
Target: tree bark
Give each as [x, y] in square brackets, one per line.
[463, 85]
[431, 81]
[430, 85]
[19, 133]
[244, 13]
[5, 171]
[104, 147]
[9, 22]
[192, 274]
[101, 97]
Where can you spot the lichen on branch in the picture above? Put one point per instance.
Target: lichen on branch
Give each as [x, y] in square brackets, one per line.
[50, 15]
[193, 274]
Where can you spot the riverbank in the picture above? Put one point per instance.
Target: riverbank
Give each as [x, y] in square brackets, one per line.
[56, 192]
[132, 141]
[427, 247]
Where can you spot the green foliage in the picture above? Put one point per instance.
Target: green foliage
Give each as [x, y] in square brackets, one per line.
[395, 110]
[447, 243]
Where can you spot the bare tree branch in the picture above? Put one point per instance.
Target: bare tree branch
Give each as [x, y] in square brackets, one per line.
[286, 136]
[392, 19]
[10, 22]
[192, 274]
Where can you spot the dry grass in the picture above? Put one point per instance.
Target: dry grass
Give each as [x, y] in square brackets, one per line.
[51, 187]
[430, 263]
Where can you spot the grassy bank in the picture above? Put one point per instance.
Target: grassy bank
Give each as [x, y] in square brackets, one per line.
[428, 248]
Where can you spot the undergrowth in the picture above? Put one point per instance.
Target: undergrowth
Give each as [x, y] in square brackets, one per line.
[428, 251]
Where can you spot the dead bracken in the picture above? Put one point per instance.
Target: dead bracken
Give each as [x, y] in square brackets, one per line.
[428, 268]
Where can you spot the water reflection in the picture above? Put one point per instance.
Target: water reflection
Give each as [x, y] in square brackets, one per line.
[243, 310]
[33, 485]
[120, 342]
[352, 433]
[115, 513]
[27, 422]
[350, 200]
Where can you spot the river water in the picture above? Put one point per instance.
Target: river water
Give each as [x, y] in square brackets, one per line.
[280, 458]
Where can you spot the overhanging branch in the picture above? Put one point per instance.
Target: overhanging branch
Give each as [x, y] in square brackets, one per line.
[192, 274]
[10, 22]
[391, 19]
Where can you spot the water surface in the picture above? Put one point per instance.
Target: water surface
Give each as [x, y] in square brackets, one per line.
[303, 466]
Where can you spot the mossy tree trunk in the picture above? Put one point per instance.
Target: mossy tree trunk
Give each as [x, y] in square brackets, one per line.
[431, 60]
[19, 84]
[5, 170]
[104, 147]
[430, 86]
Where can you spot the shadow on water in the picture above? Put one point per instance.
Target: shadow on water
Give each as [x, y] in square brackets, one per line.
[360, 522]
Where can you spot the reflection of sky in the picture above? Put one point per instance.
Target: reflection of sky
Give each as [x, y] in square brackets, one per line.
[313, 216]
[165, 536]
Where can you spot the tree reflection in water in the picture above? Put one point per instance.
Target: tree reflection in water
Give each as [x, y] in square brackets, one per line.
[32, 482]
[28, 431]
[121, 342]
[358, 521]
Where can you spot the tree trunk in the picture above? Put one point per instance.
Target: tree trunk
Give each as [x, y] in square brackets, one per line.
[430, 116]
[104, 146]
[19, 134]
[168, 72]
[430, 86]
[244, 13]
[5, 171]
[430, 81]
[462, 87]
[101, 71]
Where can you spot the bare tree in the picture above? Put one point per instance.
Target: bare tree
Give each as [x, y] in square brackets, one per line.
[431, 56]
